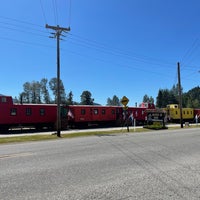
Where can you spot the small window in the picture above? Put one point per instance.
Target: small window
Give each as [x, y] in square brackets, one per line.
[184, 112]
[82, 111]
[13, 111]
[28, 111]
[95, 111]
[3, 99]
[113, 111]
[103, 111]
[176, 113]
[188, 112]
[42, 111]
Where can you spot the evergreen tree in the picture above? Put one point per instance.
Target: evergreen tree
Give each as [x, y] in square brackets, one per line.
[147, 99]
[53, 87]
[69, 100]
[86, 98]
[44, 90]
[109, 101]
[114, 101]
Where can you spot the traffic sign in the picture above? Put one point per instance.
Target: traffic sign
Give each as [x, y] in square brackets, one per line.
[124, 100]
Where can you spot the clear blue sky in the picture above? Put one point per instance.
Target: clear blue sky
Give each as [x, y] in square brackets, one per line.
[115, 47]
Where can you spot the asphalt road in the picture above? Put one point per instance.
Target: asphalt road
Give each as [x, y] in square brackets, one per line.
[154, 165]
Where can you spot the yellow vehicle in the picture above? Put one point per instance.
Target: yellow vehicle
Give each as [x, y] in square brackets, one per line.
[173, 113]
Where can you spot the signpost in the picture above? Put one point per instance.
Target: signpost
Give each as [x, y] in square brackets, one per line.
[125, 101]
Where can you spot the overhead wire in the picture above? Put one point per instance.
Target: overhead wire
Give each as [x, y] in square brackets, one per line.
[117, 52]
[91, 44]
[55, 11]
[190, 51]
[87, 43]
[43, 13]
[70, 12]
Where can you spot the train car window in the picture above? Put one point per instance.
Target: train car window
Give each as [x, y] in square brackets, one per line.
[42, 111]
[188, 112]
[184, 112]
[13, 111]
[96, 111]
[113, 111]
[3, 99]
[82, 111]
[28, 111]
[103, 112]
[176, 113]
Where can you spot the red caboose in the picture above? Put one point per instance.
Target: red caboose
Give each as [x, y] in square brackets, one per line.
[90, 115]
[196, 115]
[137, 113]
[35, 115]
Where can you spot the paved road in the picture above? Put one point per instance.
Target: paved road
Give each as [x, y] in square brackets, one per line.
[153, 165]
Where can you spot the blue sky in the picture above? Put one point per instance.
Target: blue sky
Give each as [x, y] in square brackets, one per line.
[115, 47]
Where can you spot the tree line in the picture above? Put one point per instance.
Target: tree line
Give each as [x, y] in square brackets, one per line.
[45, 91]
[190, 99]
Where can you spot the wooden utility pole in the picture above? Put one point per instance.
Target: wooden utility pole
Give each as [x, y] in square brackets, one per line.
[180, 95]
[58, 30]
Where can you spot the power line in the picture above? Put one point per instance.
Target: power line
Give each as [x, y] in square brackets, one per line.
[70, 12]
[43, 13]
[87, 43]
[55, 11]
[20, 21]
[117, 52]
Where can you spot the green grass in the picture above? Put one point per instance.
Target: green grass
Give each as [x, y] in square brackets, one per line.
[36, 137]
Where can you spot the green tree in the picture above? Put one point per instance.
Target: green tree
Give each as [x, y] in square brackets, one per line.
[162, 99]
[69, 100]
[36, 92]
[147, 99]
[86, 98]
[44, 90]
[53, 87]
[25, 96]
[31, 93]
[114, 101]
[192, 98]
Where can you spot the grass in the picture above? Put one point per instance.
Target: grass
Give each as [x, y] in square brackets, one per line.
[36, 137]
[28, 138]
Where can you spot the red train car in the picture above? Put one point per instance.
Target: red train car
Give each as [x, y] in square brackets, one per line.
[138, 113]
[20, 115]
[45, 115]
[196, 115]
[86, 115]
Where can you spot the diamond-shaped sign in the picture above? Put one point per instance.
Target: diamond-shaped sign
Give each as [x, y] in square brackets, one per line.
[124, 100]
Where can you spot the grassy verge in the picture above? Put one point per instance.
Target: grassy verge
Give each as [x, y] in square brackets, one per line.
[36, 137]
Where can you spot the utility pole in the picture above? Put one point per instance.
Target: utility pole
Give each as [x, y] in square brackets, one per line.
[58, 30]
[180, 95]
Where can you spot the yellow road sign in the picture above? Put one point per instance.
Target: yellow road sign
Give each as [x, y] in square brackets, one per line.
[124, 100]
